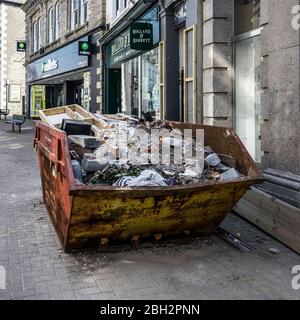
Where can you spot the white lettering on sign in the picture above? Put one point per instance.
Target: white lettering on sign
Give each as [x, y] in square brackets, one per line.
[120, 44]
[141, 41]
[296, 19]
[49, 65]
[296, 279]
[135, 31]
[2, 278]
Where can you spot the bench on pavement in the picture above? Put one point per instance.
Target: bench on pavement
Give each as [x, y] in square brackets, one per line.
[16, 120]
[4, 112]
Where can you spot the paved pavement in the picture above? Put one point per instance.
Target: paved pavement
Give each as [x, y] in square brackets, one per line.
[36, 267]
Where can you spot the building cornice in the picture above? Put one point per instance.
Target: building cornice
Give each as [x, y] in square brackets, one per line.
[30, 4]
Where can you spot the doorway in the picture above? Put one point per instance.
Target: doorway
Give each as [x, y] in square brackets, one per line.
[54, 95]
[75, 92]
[114, 91]
[248, 118]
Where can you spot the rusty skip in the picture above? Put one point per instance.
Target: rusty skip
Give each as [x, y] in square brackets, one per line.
[88, 216]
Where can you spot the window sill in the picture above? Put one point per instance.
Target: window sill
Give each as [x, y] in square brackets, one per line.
[34, 54]
[77, 30]
[120, 15]
[52, 44]
[47, 46]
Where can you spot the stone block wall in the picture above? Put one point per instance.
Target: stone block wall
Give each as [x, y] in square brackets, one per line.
[217, 62]
[36, 9]
[280, 85]
[11, 61]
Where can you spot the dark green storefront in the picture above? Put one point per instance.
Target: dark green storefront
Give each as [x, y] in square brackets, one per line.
[132, 67]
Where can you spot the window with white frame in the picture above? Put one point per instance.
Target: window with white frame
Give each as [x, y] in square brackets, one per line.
[74, 14]
[42, 26]
[57, 20]
[34, 36]
[51, 25]
[84, 11]
[36, 32]
[120, 6]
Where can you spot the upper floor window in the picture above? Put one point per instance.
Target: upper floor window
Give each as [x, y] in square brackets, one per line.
[57, 20]
[36, 35]
[74, 14]
[52, 24]
[79, 13]
[119, 6]
[84, 11]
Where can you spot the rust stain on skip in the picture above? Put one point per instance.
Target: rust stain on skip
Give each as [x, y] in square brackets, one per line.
[83, 215]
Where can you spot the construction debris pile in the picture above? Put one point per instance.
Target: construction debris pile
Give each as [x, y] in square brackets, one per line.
[100, 159]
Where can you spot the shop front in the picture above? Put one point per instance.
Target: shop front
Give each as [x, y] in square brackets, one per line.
[247, 49]
[59, 78]
[132, 77]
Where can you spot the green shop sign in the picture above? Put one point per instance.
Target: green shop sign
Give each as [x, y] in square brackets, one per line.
[119, 49]
[21, 46]
[84, 48]
[141, 36]
[130, 43]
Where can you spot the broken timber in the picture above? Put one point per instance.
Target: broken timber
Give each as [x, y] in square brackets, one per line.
[277, 218]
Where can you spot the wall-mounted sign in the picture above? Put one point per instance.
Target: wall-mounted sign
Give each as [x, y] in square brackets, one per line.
[62, 60]
[49, 65]
[14, 92]
[141, 36]
[21, 46]
[119, 49]
[84, 48]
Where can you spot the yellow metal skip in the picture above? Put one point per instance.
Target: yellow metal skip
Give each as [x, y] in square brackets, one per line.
[119, 218]
[85, 216]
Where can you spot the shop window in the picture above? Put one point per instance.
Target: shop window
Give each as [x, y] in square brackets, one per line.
[84, 11]
[135, 75]
[37, 99]
[246, 15]
[247, 75]
[51, 26]
[74, 14]
[190, 54]
[247, 94]
[141, 84]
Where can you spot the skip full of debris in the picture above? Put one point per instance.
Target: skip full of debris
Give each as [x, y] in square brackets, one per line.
[100, 160]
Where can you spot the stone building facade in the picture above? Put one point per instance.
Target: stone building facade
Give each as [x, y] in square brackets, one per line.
[268, 86]
[53, 32]
[231, 63]
[12, 70]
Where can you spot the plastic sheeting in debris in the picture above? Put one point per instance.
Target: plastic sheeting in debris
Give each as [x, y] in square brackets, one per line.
[109, 164]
